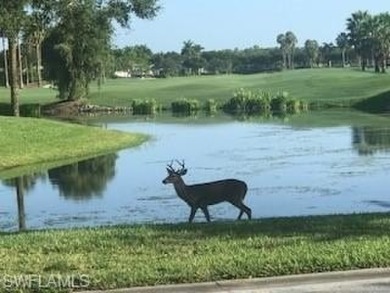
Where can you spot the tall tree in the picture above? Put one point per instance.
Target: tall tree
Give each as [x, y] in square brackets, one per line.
[79, 43]
[326, 51]
[381, 40]
[343, 43]
[291, 41]
[358, 34]
[12, 16]
[36, 30]
[192, 57]
[167, 64]
[281, 40]
[287, 43]
[312, 49]
[136, 59]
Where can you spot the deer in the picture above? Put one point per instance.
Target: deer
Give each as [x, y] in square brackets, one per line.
[200, 196]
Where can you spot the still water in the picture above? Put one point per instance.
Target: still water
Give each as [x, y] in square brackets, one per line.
[311, 165]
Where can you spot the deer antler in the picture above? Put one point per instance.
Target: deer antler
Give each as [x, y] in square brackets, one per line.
[182, 170]
[182, 164]
[170, 167]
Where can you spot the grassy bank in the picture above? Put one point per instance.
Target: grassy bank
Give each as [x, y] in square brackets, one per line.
[121, 256]
[26, 141]
[375, 104]
[334, 87]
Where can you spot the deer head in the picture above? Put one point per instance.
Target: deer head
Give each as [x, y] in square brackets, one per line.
[175, 175]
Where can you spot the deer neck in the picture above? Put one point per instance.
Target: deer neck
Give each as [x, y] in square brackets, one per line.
[182, 191]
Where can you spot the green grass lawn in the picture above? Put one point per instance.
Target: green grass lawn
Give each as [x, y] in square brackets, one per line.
[333, 86]
[122, 256]
[329, 86]
[26, 141]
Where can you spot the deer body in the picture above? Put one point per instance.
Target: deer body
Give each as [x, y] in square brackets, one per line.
[210, 193]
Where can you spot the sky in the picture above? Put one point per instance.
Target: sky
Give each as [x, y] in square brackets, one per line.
[229, 24]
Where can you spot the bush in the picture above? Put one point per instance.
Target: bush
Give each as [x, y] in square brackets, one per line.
[259, 102]
[211, 106]
[185, 106]
[144, 107]
[247, 101]
[279, 103]
[293, 106]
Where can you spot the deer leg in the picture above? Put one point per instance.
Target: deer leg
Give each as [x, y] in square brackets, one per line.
[248, 211]
[206, 213]
[192, 214]
[243, 209]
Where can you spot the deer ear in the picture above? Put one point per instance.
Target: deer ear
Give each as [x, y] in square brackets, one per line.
[169, 171]
[184, 172]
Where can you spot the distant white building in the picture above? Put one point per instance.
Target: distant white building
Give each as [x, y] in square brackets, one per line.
[122, 74]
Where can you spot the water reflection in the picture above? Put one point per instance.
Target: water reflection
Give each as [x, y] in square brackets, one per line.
[78, 181]
[84, 180]
[22, 185]
[368, 140]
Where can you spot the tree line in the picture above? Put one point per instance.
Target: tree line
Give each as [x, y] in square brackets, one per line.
[141, 61]
[365, 43]
[68, 43]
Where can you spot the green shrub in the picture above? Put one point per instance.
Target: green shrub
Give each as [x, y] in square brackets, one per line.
[250, 102]
[144, 107]
[257, 105]
[239, 102]
[279, 103]
[211, 106]
[293, 106]
[185, 106]
[255, 102]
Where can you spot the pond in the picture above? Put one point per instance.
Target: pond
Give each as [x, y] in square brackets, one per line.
[310, 164]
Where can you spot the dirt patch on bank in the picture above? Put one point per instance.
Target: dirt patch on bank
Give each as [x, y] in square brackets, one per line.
[63, 108]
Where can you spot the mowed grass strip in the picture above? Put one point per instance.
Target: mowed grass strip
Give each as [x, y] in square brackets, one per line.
[123, 256]
[26, 141]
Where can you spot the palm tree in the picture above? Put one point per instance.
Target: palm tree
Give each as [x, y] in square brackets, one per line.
[311, 48]
[281, 40]
[381, 41]
[193, 60]
[326, 52]
[291, 41]
[343, 43]
[359, 35]
[287, 44]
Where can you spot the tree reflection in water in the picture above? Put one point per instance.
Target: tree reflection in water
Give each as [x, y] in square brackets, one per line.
[22, 185]
[368, 140]
[85, 179]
